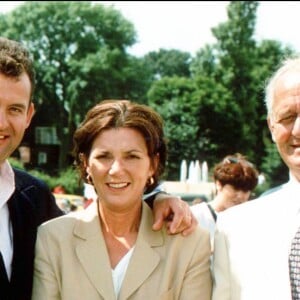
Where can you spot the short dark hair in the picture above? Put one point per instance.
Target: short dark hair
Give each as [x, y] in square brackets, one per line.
[15, 60]
[122, 114]
[237, 171]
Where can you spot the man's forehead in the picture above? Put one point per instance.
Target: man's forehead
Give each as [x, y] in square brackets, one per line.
[287, 87]
[289, 79]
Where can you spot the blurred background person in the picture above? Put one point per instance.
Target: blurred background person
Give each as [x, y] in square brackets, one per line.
[199, 199]
[235, 178]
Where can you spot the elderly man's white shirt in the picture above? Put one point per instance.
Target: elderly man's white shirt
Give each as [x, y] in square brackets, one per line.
[252, 243]
[7, 187]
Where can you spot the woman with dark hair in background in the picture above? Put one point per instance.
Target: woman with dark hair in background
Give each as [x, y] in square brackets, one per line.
[235, 178]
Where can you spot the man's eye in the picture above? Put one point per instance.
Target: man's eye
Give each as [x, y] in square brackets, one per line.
[16, 110]
[287, 119]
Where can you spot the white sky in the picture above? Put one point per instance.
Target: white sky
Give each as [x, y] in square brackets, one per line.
[186, 25]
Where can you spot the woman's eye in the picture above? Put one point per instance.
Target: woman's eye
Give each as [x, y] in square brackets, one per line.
[103, 157]
[133, 156]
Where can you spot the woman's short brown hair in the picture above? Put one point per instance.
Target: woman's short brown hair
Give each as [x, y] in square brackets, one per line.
[122, 114]
[237, 171]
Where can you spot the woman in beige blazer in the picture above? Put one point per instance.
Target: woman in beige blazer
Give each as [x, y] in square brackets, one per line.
[109, 251]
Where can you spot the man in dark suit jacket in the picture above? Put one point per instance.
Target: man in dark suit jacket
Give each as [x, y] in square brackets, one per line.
[30, 205]
[26, 202]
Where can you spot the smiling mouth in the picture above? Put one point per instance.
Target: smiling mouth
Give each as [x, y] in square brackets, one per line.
[118, 185]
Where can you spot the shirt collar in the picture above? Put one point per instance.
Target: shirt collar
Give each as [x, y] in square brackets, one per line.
[7, 182]
[293, 183]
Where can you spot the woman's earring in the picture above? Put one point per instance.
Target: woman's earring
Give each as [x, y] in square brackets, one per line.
[151, 180]
[89, 179]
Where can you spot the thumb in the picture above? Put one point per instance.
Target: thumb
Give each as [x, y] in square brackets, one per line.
[158, 221]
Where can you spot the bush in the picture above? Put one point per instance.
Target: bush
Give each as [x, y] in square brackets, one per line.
[43, 176]
[16, 163]
[67, 178]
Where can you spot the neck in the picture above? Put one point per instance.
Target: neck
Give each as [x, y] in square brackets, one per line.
[119, 224]
[120, 230]
[217, 204]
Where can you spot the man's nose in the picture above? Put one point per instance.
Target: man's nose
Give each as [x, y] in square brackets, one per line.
[296, 127]
[3, 119]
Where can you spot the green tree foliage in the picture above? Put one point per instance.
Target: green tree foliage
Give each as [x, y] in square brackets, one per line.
[218, 115]
[268, 55]
[237, 66]
[223, 71]
[212, 104]
[273, 167]
[173, 98]
[168, 63]
[218, 120]
[205, 63]
[80, 55]
[236, 45]
[226, 102]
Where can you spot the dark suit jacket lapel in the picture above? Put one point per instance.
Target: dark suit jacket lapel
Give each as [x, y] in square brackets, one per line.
[24, 233]
[4, 283]
[29, 206]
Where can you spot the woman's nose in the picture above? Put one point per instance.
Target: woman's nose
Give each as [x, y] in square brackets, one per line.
[115, 166]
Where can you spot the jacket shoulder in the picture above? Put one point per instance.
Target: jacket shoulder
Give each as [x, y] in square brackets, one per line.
[35, 193]
[24, 180]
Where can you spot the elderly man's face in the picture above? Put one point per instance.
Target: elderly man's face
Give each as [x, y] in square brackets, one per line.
[284, 121]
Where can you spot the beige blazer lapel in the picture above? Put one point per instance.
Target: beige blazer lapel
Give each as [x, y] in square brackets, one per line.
[144, 259]
[92, 254]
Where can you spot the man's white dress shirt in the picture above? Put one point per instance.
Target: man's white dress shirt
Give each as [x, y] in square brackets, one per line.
[7, 187]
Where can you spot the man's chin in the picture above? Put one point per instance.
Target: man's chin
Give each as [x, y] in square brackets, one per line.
[293, 162]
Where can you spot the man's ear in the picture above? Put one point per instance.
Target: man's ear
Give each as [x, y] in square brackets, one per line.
[271, 128]
[30, 114]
